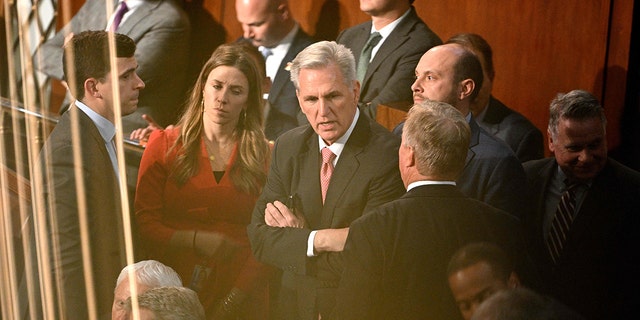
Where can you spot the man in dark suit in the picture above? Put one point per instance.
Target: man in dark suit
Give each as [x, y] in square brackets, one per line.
[405, 38]
[304, 238]
[160, 29]
[84, 212]
[492, 115]
[269, 25]
[396, 257]
[593, 268]
[492, 173]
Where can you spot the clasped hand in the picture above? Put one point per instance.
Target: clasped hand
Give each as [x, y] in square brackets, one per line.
[277, 214]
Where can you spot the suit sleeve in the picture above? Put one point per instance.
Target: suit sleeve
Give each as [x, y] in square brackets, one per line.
[284, 248]
[360, 284]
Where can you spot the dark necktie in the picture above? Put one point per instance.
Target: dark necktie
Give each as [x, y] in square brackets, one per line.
[365, 56]
[562, 221]
[118, 16]
[326, 171]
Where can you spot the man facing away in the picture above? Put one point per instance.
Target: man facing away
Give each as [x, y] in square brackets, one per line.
[82, 143]
[386, 76]
[395, 258]
[584, 224]
[269, 25]
[322, 177]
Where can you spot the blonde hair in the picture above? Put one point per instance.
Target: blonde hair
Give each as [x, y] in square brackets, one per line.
[248, 172]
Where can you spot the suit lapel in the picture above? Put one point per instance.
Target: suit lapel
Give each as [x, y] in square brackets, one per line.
[474, 140]
[139, 16]
[282, 76]
[398, 36]
[345, 169]
[308, 181]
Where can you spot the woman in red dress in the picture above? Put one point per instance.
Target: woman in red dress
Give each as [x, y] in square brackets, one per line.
[198, 183]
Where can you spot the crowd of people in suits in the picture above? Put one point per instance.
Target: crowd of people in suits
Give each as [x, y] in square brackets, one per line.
[274, 194]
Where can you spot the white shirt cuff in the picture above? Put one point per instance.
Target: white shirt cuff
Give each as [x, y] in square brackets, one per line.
[312, 236]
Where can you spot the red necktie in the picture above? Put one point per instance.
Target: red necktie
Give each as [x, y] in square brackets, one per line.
[118, 16]
[326, 170]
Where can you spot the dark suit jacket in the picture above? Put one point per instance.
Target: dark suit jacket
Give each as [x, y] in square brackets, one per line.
[285, 113]
[597, 271]
[161, 31]
[365, 177]
[392, 71]
[396, 257]
[492, 173]
[103, 210]
[514, 129]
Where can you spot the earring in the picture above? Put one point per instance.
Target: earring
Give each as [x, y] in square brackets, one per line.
[202, 104]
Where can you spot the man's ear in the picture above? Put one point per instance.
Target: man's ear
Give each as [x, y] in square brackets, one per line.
[550, 144]
[409, 156]
[91, 88]
[283, 11]
[466, 88]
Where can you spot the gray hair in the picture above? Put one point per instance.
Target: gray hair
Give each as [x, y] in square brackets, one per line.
[439, 136]
[576, 105]
[151, 273]
[322, 54]
[170, 303]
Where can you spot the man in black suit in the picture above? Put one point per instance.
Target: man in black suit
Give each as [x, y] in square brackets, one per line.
[593, 268]
[492, 115]
[269, 25]
[88, 205]
[492, 173]
[389, 74]
[395, 258]
[304, 238]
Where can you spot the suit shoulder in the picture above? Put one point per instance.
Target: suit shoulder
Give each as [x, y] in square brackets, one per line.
[492, 146]
[625, 174]
[532, 167]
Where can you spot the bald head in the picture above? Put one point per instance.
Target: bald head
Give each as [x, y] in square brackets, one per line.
[264, 22]
[448, 73]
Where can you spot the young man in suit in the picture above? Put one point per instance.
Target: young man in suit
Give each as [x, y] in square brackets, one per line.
[396, 257]
[385, 79]
[492, 115]
[87, 206]
[589, 261]
[161, 31]
[269, 25]
[492, 173]
[301, 220]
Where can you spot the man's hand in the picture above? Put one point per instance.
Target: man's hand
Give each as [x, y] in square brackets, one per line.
[277, 214]
[143, 134]
[330, 240]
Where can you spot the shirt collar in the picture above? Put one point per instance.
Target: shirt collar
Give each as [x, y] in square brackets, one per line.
[105, 127]
[338, 146]
[386, 30]
[429, 182]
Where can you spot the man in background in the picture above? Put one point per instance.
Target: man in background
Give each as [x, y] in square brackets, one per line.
[269, 25]
[492, 173]
[161, 31]
[387, 50]
[492, 115]
[584, 225]
[167, 303]
[477, 271]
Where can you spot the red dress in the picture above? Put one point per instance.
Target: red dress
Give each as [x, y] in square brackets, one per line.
[162, 207]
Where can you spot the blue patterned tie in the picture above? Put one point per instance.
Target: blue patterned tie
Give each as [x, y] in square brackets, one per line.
[562, 221]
